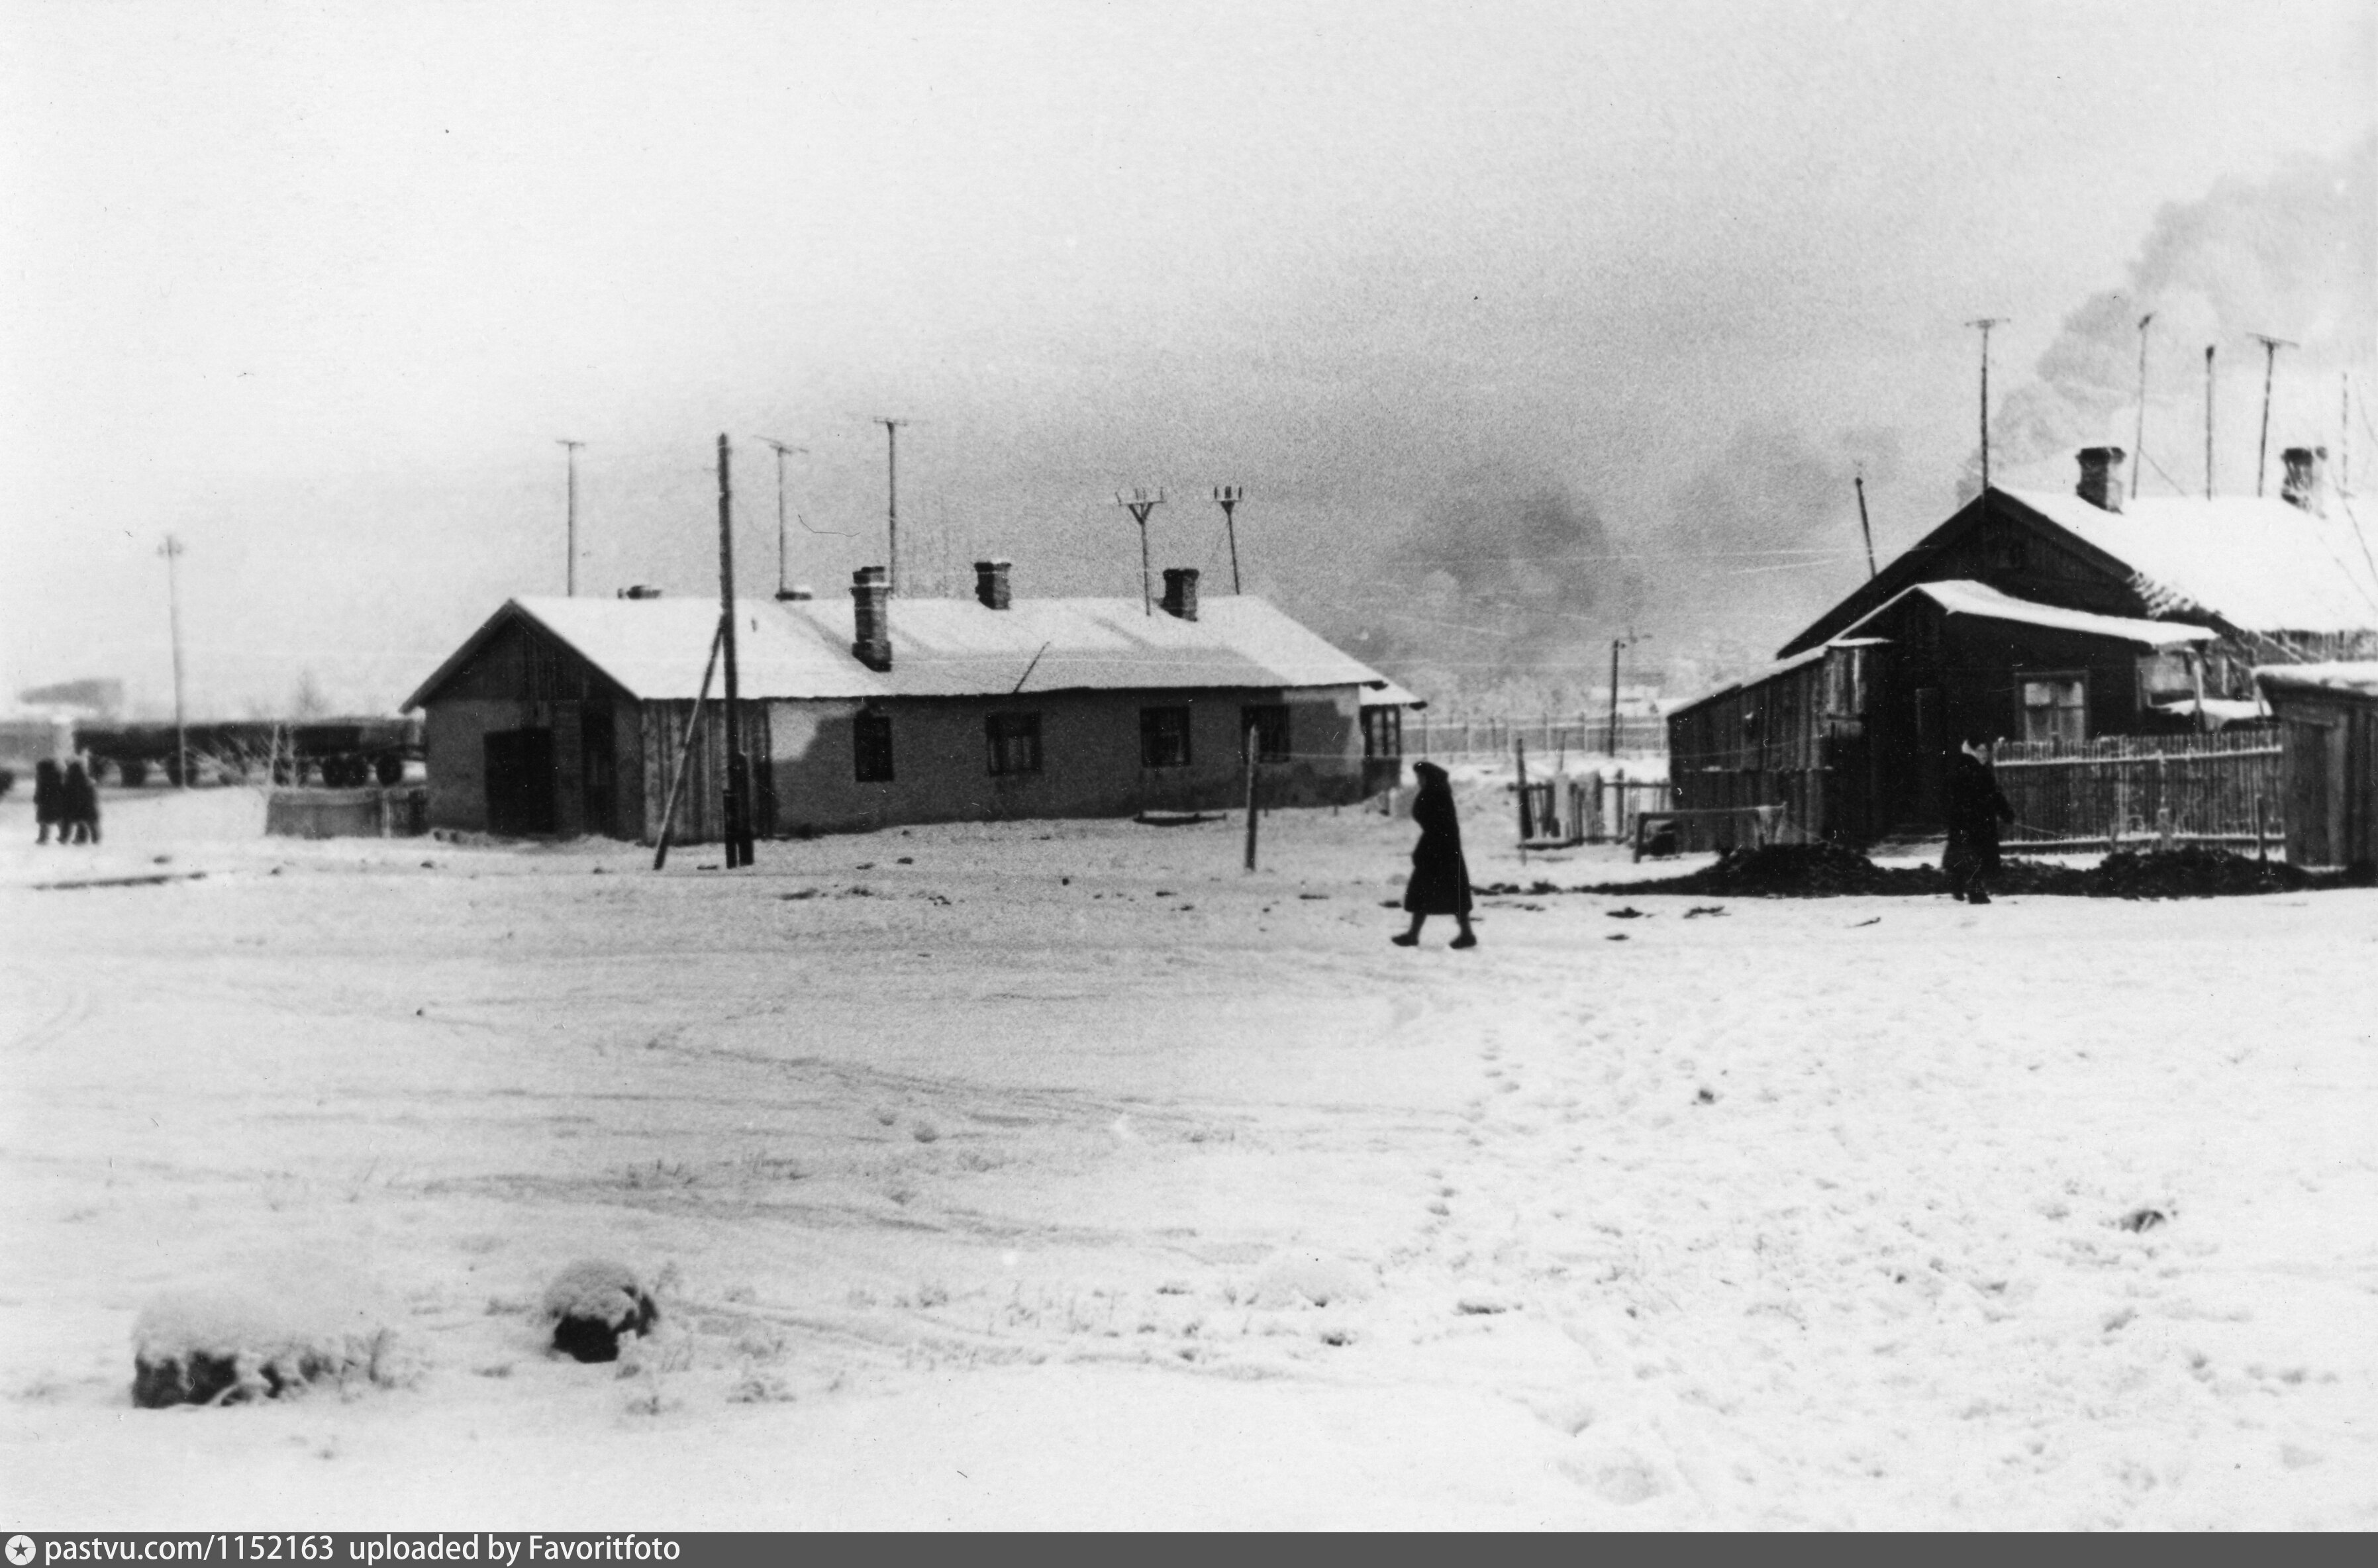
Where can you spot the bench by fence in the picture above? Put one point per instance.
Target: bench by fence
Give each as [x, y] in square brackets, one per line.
[2222, 789]
[347, 813]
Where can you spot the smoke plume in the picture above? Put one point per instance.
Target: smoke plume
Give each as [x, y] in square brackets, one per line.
[2294, 256]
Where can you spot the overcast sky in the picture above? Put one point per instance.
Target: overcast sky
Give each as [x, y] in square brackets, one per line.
[317, 287]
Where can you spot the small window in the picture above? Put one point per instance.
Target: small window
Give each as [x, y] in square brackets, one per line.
[1845, 682]
[1015, 743]
[2055, 707]
[871, 739]
[2167, 676]
[1164, 737]
[1382, 732]
[1269, 723]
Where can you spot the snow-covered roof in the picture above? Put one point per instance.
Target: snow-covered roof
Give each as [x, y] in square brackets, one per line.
[1390, 695]
[2261, 564]
[2353, 678]
[1959, 596]
[656, 649]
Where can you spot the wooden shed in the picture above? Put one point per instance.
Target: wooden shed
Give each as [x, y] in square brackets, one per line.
[2328, 718]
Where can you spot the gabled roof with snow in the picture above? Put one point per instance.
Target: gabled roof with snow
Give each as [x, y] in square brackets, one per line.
[656, 649]
[2349, 678]
[2261, 564]
[1962, 597]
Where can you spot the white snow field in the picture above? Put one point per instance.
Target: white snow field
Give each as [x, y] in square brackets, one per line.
[1065, 1174]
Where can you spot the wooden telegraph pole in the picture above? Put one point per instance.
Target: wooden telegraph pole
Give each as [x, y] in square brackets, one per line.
[738, 799]
[171, 550]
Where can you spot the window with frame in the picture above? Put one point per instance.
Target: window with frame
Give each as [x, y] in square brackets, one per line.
[1269, 723]
[2055, 707]
[1382, 732]
[871, 744]
[1015, 743]
[1164, 737]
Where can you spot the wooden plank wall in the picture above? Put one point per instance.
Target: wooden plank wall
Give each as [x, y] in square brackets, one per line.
[701, 803]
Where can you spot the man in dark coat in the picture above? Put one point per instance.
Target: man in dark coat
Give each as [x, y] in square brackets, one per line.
[78, 807]
[1976, 806]
[1440, 878]
[49, 800]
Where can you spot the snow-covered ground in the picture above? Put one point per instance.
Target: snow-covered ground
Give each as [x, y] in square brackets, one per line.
[989, 1175]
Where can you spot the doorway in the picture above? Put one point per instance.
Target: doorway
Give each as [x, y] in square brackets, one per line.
[520, 780]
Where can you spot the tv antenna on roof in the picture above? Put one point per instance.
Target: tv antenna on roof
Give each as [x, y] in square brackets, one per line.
[1229, 496]
[1985, 323]
[1139, 501]
[781, 448]
[569, 578]
[2271, 347]
[891, 510]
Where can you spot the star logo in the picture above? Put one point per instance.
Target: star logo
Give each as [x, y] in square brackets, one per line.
[20, 1550]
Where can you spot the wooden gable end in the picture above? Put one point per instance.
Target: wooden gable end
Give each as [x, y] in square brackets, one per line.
[519, 662]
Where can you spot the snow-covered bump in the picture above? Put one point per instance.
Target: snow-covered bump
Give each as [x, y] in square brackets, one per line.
[224, 1346]
[1296, 1276]
[591, 1303]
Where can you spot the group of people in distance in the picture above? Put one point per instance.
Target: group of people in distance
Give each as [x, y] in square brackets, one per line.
[65, 799]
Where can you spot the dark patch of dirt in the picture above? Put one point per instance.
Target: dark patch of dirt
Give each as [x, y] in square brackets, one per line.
[1824, 871]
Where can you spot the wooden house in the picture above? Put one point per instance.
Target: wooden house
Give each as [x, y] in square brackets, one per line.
[2329, 721]
[569, 716]
[2026, 617]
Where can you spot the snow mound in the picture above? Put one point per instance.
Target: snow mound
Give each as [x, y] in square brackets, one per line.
[1297, 1276]
[591, 1303]
[226, 1346]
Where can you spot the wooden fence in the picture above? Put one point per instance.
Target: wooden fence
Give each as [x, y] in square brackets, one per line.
[1549, 737]
[2220, 789]
[1591, 809]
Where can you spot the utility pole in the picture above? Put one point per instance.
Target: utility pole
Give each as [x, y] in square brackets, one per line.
[2208, 421]
[892, 472]
[1615, 644]
[1229, 496]
[737, 828]
[2138, 446]
[1985, 323]
[1864, 526]
[171, 550]
[2271, 347]
[781, 448]
[1140, 503]
[570, 577]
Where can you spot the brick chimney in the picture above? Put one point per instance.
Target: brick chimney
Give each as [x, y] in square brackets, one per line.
[871, 617]
[990, 583]
[2101, 478]
[2301, 486]
[1181, 592]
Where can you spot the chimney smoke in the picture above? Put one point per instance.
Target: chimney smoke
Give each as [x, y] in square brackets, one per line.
[871, 617]
[2101, 478]
[990, 583]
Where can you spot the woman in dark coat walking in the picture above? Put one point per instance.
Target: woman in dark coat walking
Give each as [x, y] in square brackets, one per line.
[1440, 878]
[78, 807]
[1976, 806]
[49, 800]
